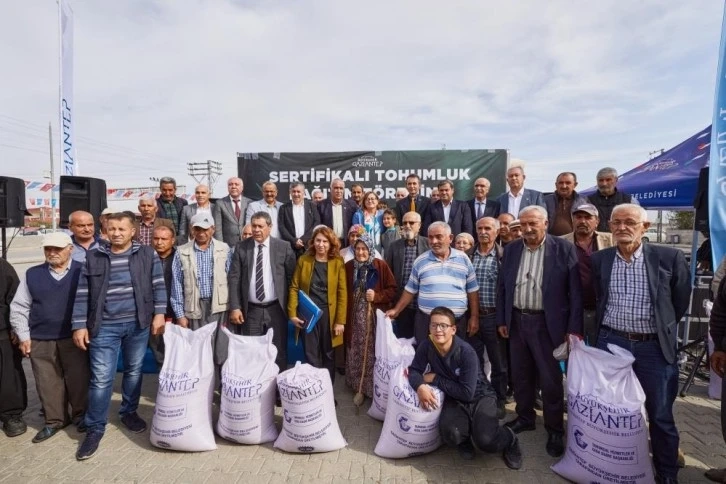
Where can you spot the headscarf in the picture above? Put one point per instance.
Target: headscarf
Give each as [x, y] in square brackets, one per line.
[357, 229]
[360, 269]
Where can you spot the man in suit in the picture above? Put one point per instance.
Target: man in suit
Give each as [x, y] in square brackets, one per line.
[259, 278]
[169, 205]
[560, 204]
[454, 212]
[297, 219]
[268, 204]
[229, 213]
[587, 241]
[414, 201]
[399, 257]
[201, 194]
[643, 291]
[337, 212]
[518, 197]
[537, 318]
[480, 206]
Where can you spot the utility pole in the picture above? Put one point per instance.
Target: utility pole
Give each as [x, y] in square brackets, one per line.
[209, 170]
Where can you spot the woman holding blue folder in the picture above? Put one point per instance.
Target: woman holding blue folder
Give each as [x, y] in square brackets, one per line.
[320, 273]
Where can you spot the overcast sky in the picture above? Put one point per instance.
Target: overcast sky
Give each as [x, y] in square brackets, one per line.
[564, 85]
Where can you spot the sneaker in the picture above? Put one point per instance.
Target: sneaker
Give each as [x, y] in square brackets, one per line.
[89, 446]
[14, 426]
[512, 455]
[466, 450]
[133, 422]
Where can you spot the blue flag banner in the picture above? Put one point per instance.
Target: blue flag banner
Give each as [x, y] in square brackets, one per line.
[717, 173]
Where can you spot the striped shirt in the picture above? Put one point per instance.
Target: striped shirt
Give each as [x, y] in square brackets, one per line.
[629, 307]
[486, 268]
[442, 282]
[120, 305]
[528, 286]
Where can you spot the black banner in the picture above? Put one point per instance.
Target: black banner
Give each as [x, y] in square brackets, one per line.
[380, 171]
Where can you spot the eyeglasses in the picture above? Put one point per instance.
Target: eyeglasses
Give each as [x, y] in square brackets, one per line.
[625, 223]
[440, 326]
[408, 222]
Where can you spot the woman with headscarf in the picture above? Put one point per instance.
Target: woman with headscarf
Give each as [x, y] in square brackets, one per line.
[371, 286]
[320, 272]
[354, 232]
[371, 218]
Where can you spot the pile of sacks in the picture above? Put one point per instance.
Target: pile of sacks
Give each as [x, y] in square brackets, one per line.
[249, 383]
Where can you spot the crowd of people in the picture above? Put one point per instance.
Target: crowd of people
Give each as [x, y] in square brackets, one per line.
[488, 286]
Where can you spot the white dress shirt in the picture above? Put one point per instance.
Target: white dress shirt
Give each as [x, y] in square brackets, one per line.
[268, 282]
[514, 202]
[298, 216]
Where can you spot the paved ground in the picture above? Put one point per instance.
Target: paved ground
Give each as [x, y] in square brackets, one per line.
[126, 457]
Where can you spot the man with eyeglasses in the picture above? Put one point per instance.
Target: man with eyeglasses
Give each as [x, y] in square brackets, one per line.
[539, 303]
[441, 276]
[642, 292]
[399, 257]
[468, 418]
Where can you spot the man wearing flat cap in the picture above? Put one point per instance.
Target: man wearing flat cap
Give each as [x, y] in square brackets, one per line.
[199, 281]
[40, 315]
[585, 219]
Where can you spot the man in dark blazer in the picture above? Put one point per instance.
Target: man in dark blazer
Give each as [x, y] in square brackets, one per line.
[336, 203]
[229, 213]
[298, 231]
[169, 206]
[260, 303]
[459, 215]
[642, 292]
[561, 203]
[518, 197]
[539, 302]
[395, 256]
[480, 206]
[414, 200]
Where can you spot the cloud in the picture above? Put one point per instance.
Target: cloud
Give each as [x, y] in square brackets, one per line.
[567, 86]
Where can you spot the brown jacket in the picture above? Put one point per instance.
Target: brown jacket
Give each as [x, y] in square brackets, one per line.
[385, 290]
[604, 239]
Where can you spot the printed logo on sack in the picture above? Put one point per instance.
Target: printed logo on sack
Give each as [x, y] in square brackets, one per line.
[579, 440]
[306, 448]
[377, 391]
[163, 444]
[287, 416]
[403, 424]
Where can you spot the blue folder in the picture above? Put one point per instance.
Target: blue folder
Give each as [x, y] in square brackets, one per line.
[308, 311]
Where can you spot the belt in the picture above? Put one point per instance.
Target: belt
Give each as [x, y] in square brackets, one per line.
[537, 312]
[263, 305]
[632, 336]
[487, 311]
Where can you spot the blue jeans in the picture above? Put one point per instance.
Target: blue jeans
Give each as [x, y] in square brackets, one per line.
[103, 352]
[659, 380]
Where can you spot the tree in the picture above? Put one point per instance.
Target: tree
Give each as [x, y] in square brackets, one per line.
[682, 220]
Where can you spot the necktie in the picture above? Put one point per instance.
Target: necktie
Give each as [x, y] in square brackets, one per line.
[259, 283]
[412, 208]
[478, 210]
[236, 209]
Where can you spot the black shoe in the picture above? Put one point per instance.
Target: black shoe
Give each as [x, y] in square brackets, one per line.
[501, 411]
[44, 434]
[15, 426]
[512, 455]
[133, 422]
[466, 450]
[89, 446]
[555, 444]
[716, 475]
[518, 425]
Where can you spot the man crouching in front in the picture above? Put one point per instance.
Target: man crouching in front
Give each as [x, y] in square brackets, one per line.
[469, 416]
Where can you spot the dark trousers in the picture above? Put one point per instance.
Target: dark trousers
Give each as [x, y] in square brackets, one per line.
[488, 339]
[659, 380]
[532, 363]
[156, 345]
[62, 374]
[589, 324]
[260, 318]
[13, 386]
[421, 326]
[476, 420]
[405, 323]
[318, 346]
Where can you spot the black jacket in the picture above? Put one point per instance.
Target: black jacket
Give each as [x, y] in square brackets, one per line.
[9, 283]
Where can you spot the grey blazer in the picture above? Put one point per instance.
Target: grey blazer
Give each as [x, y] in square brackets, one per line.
[184, 230]
[226, 226]
[283, 262]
